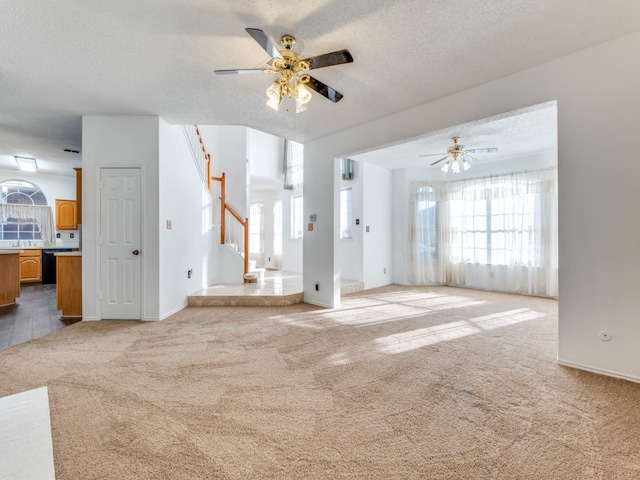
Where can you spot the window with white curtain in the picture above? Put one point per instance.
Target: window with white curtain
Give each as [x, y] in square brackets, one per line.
[293, 167]
[346, 214]
[427, 213]
[496, 232]
[277, 234]
[24, 214]
[296, 217]
[256, 232]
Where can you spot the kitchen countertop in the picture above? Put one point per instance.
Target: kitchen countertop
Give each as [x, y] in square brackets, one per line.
[6, 251]
[68, 254]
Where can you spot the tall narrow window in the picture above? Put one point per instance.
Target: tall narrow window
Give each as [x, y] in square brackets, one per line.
[256, 232]
[346, 214]
[426, 222]
[293, 165]
[277, 234]
[296, 216]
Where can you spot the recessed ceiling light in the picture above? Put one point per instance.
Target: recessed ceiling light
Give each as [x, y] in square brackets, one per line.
[27, 164]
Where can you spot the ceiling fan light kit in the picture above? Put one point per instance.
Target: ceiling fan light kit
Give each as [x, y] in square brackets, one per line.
[294, 82]
[456, 156]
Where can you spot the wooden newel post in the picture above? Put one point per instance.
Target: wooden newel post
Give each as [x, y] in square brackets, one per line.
[208, 157]
[246, 245]
[223, 209]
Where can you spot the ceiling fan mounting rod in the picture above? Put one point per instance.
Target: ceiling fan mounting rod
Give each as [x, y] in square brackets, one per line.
[288, 41]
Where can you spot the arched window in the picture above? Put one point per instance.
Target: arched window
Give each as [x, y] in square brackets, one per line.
[13, 227]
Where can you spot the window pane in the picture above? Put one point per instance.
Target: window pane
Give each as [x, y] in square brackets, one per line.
[297, 163]
[256, 244]
[296, 217]
[346, 213]
[277, 227]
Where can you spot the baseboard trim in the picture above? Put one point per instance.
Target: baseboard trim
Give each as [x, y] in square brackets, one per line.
[167, 315]
[317, 304]
[607, 373]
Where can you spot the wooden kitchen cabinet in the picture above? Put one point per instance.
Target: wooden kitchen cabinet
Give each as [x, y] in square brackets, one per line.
[78, 194]
[69, 284]
[9, 277]
[66, 215]
[31, 266]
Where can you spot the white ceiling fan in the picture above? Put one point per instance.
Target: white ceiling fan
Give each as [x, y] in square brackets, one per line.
[457, 156]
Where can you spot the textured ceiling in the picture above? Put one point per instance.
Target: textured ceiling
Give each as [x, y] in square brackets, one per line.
[64, 59]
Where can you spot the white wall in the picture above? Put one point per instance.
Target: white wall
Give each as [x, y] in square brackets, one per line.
[53, 187]
[265, 155]
[185, 202]
[120, 141]
[291, 247]
[228, 146]
[401, 212]
[321, 263]
[377, 257]
[598, 224]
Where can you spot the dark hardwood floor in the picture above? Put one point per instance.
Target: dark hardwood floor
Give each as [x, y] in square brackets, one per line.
[34, 315]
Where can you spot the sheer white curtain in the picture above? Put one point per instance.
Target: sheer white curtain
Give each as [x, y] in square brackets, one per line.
[292, 165]
[427, 246]
[40, 214]
[495, 233]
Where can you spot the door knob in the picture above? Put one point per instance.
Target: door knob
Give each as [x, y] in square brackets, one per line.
[136, 252]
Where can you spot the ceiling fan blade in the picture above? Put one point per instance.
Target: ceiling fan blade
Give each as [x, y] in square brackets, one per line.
[431, 154]
[437, 161]
[328, 59]
[268, 46]
[325, 90]
[482, 150]
[473, 159]
[240, 71]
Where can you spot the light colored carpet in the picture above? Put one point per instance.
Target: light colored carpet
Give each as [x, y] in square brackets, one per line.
[400, 383]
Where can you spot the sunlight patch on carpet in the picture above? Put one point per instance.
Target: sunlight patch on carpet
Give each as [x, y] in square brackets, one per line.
[407, 341]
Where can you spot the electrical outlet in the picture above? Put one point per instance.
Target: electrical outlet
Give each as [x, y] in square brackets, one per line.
[317, 286]
[189, 273]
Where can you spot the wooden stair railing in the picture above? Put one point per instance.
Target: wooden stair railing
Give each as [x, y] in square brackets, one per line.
[224, 207]
[207, 157]
[200, 155]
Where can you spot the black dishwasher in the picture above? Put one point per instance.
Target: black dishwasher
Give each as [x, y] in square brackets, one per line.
[49, 264]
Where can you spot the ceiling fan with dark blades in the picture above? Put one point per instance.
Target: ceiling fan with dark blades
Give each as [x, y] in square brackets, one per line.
[457, 156]
[293, 81]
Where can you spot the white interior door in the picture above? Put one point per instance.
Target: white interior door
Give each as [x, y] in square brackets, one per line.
[120, 245]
